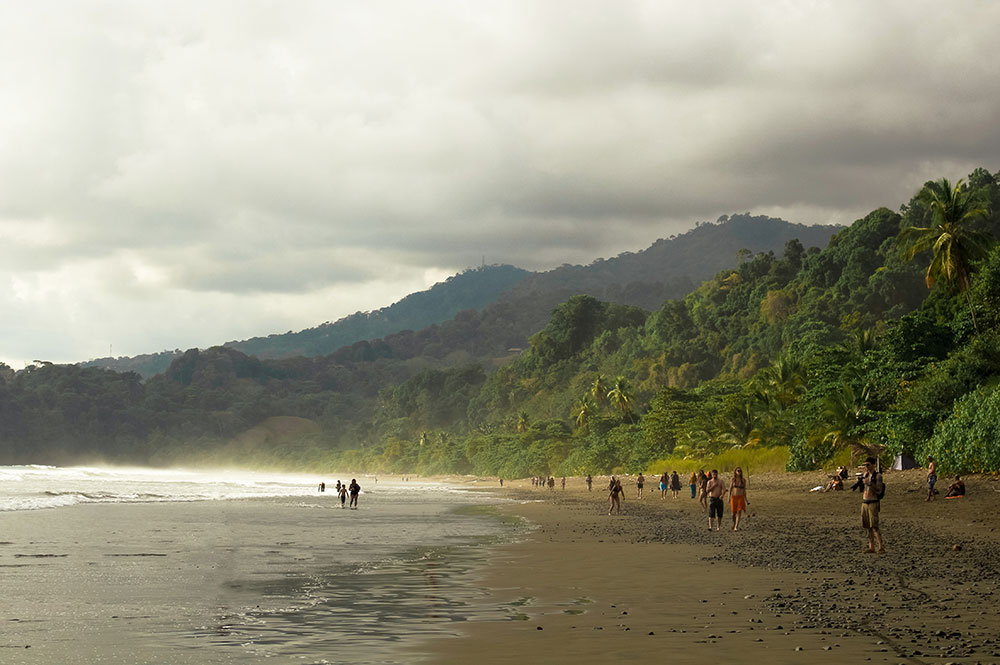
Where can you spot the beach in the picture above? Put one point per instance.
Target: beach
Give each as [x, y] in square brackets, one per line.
[429, 580]
[792, 586]
[277, 579]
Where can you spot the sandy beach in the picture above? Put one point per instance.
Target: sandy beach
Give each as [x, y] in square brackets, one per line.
[793, 586]
[251, 580]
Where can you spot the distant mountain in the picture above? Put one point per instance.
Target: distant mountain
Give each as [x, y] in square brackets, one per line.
[515, 303]
[472, 289]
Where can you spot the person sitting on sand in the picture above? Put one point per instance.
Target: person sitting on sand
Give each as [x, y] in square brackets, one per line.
[956, 489]
[836, 484]
[615, 496]
[639, 482]
[842, 472]
[737, 497]
[675, 483]
[715, 489]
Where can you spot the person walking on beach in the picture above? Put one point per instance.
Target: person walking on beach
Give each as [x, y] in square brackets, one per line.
[639, 482]
[703, 489]
[664, 484]
[342, 491]
[871, 497]
[931, 478]
[675, 483]
[615, 496]
[715, 489]
[590, 482]
[355, 489]
[737, 497]
[693, 483]
[552, 483]
[501, 482]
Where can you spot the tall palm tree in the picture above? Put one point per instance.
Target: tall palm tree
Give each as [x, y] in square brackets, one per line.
[620, 397]
[583, 411]
[952, 240]
[784, 381]
[599, 390]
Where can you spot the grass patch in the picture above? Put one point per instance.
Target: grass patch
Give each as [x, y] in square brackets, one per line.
[751, 460]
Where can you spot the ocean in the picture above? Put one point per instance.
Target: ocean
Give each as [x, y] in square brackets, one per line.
[188, 566]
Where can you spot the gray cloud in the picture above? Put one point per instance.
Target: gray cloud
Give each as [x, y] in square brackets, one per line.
[239, 168]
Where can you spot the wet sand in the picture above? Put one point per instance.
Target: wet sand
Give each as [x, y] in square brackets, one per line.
[792, 586]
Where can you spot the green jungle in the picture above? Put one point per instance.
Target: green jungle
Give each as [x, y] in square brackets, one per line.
[885, 342]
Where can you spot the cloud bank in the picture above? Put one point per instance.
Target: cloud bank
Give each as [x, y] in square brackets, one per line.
[182, 174]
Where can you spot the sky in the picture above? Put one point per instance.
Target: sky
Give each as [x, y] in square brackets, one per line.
[181, 174]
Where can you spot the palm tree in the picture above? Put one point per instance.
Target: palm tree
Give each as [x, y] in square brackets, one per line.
[743, 423]
[621, 397]
[952, 240]
[784, 381]
[842, 416]
[523, 422]
[583, 411]
[599, 389]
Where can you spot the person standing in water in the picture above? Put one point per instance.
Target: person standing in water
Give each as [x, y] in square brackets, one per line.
[342, 491]
[737, 497]
[355, 489]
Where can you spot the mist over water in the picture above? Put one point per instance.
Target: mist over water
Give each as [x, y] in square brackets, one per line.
[234, 567]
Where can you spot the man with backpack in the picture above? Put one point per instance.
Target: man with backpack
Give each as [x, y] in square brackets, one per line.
[873, 489]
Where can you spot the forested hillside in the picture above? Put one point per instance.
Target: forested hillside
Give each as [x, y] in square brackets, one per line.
[885, 341]
[668, 269]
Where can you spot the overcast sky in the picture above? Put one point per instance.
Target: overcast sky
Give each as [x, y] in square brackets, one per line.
[180, 174]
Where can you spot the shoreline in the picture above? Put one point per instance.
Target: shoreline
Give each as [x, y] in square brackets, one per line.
[655, 581]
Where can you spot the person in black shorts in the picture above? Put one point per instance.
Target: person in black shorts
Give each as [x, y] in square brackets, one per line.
[715, 489]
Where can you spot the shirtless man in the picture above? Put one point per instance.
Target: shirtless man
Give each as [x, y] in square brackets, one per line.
[639, 482]
[872, 487]
[931, 477]
[715, 489]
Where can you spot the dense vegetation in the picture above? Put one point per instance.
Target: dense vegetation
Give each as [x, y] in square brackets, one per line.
[886, 341]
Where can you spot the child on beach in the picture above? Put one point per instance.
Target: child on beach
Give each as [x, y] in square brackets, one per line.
[342, 491]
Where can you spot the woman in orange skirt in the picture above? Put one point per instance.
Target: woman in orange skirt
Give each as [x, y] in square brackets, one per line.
[737, 497]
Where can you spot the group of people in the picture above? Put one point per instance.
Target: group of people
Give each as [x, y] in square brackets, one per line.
[542, 481]
[955, 490]
[354, 489]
